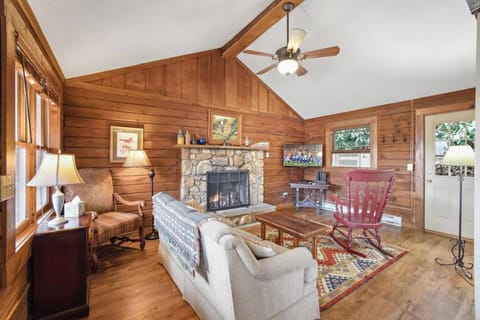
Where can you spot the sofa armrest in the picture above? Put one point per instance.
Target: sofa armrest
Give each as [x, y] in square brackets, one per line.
[284, 263]
[270, 268]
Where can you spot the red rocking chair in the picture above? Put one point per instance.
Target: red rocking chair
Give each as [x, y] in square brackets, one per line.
[367, 195]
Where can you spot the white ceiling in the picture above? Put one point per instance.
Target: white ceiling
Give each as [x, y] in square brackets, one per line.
[389, 50]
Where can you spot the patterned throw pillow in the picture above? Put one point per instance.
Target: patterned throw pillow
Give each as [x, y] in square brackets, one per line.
[259, 248]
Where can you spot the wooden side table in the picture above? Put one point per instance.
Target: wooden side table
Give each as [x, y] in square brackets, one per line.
[310, 192]
[60, 270]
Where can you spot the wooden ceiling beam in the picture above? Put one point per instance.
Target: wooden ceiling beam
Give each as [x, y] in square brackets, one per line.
[271, 15]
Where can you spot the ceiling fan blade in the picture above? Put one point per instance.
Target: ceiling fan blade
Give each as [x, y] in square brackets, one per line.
[325, 52]
[258, 53]
[265, 70]
[301, 71]
[296, 38]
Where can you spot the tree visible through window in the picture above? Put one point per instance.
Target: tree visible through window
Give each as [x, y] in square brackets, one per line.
[352, 139]
[351, 147]
[452, 134]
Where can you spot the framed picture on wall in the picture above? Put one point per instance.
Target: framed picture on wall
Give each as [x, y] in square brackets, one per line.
[122, 140]
[224, 128]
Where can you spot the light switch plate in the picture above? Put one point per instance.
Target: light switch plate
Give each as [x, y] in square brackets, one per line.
[409, 166]
[7, 187]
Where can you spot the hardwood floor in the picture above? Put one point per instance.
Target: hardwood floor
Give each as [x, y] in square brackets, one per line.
[130, 284]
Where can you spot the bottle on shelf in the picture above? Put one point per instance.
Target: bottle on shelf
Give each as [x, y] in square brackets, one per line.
[247, 142]
[187, 137]
[180, 137]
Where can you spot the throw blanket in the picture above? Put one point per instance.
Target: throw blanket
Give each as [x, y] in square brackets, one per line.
[178, 226]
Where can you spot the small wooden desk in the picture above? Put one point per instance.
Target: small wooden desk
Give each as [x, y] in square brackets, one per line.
[294, 224]
[310, 192]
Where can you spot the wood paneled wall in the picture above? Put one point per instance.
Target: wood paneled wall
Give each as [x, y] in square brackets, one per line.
[395, 141]
[165, 96]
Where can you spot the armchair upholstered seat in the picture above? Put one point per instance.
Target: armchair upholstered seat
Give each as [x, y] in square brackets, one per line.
[108, 223]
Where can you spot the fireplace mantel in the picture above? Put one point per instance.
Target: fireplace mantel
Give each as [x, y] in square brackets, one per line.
[213, 146]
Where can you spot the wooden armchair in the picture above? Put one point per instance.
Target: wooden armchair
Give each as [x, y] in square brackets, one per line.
[367, 192]
[108, 224]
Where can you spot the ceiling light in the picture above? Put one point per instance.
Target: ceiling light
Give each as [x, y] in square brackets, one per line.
[287, 66]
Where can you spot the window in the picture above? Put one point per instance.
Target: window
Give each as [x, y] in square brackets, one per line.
[452, 134]
[351, 147]
[32, 112]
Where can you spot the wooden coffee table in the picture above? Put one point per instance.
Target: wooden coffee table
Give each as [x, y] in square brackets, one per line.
[296, 225]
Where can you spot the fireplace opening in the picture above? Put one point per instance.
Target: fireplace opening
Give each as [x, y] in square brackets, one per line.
[227, 189]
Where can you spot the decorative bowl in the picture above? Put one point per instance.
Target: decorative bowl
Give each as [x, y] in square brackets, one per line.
[202, 140]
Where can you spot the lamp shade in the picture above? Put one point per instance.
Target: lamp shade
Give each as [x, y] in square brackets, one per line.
[56, 170]
[459, 156]
[296, 38]
[137, 158]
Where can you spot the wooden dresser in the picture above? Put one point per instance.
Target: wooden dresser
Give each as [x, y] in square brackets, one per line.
[60, 270]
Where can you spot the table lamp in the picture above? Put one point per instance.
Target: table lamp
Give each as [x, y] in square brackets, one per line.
[56, 170]
[139, 159]
[462, 156]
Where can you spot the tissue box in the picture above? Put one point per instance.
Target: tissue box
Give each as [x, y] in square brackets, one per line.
[73, 210]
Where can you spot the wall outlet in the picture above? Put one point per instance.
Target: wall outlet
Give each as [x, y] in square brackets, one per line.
[285, 195]
[409, 166]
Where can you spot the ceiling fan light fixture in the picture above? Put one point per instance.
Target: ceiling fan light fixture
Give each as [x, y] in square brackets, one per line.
[287, 66]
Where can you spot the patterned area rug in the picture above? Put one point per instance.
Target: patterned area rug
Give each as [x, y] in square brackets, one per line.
[339, 272]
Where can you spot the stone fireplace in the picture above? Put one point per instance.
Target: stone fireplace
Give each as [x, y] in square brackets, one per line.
[197, 161]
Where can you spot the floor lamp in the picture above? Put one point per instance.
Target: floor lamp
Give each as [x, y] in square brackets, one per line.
[56, 170]
[139, 158]
[462, 156]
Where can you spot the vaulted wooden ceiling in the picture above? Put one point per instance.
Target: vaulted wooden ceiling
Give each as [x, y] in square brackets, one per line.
[390, 50]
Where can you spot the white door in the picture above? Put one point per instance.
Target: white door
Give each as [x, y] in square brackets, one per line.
[442, 186]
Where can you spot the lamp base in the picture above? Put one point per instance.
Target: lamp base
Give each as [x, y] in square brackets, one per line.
[460, 267]
[57, 221]
[152, 235]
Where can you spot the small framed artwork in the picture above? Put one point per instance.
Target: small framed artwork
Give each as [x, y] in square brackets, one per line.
[224, 128]
[122, 140]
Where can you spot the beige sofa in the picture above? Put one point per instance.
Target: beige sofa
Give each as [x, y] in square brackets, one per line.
[231, 283]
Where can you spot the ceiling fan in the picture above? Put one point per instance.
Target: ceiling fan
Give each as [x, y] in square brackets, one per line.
[287, 58]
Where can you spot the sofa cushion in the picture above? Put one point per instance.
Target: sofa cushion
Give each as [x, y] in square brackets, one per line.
[259, 248]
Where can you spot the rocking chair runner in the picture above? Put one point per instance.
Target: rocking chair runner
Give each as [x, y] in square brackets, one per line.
[367, 192]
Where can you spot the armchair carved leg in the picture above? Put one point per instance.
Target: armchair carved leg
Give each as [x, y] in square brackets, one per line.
[142, 238]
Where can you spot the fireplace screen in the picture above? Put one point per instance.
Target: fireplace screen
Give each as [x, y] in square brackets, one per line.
[227, 189]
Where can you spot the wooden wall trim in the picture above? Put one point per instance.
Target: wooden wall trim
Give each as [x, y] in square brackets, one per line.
[24, 9]
[137, 67]
[419, 171]
[267, 18]
[445, 108]
[330, 127]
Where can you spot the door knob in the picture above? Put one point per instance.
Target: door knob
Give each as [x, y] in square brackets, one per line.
[429, 180]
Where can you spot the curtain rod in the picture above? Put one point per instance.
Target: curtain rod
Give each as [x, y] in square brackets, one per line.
[33, 71]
